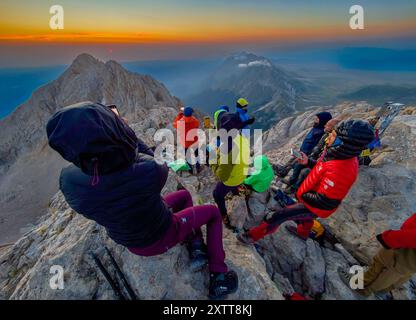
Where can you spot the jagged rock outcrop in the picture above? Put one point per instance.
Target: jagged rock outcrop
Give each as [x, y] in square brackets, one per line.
[382, 198]
[28, 165]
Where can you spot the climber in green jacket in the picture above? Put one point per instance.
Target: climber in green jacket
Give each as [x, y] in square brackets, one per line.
[262, 176]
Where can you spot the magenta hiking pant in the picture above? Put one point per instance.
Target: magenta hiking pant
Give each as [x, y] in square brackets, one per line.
[186, 226]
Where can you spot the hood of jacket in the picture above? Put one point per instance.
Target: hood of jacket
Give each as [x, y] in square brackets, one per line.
[323, 117]
[92, 137]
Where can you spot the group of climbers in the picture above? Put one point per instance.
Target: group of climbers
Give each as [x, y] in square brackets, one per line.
[323, 125]
[324, 188]
[115, 181]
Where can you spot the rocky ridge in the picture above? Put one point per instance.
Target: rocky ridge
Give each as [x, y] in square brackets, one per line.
[28, 165]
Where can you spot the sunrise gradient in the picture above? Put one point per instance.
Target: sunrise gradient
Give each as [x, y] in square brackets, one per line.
[220, 23]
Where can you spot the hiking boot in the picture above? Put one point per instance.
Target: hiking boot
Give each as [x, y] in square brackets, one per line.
[245, 238]
[198, 255]
[293, 230]
[222, 284]
[346, 278]
[283, 199]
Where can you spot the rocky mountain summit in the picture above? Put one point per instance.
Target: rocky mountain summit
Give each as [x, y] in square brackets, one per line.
[383, 197]
[65, 238]
[29, 168]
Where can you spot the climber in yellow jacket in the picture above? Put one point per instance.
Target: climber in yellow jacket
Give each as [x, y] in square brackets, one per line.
[232, 163]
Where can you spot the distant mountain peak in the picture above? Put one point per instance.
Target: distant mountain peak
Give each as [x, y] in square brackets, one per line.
[240, 55]
[141, 99]
[85, 58]
[267, 87]
[247, 59]
[113, 64]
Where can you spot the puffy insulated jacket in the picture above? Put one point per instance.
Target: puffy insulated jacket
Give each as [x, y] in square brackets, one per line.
[263, 175]
[127, 203]
[232, 173]
[109, 181]
[327, 185]
[403, 238]
[336, 170]
[403, 242]
[184, 125]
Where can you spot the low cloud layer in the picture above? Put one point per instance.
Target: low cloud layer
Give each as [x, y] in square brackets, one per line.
[256, 63]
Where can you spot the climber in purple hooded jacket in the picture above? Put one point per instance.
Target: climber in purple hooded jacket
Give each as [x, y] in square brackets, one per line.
[115, 181]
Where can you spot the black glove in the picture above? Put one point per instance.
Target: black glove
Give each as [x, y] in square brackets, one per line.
[250, 121]
[380, 239]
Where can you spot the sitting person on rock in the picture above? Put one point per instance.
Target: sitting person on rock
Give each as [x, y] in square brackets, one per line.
[310, 141]
[316, 152]
[326, 186]
[184, 123]
[393, 265]
[115, 181]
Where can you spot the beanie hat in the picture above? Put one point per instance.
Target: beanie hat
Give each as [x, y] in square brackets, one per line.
[357, 133]
[324, 117]
[353, 136]
[187, 112]
[242, 103]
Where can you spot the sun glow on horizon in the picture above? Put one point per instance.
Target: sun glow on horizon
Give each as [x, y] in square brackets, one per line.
[189, 28]
[195, 21]
[199, 35]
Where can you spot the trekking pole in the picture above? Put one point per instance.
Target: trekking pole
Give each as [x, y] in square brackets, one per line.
[121, 275]
[113, 284]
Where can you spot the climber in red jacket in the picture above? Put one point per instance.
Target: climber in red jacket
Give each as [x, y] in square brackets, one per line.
[327, 184]
[393, 265]
[403, 238]
[184, 123]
